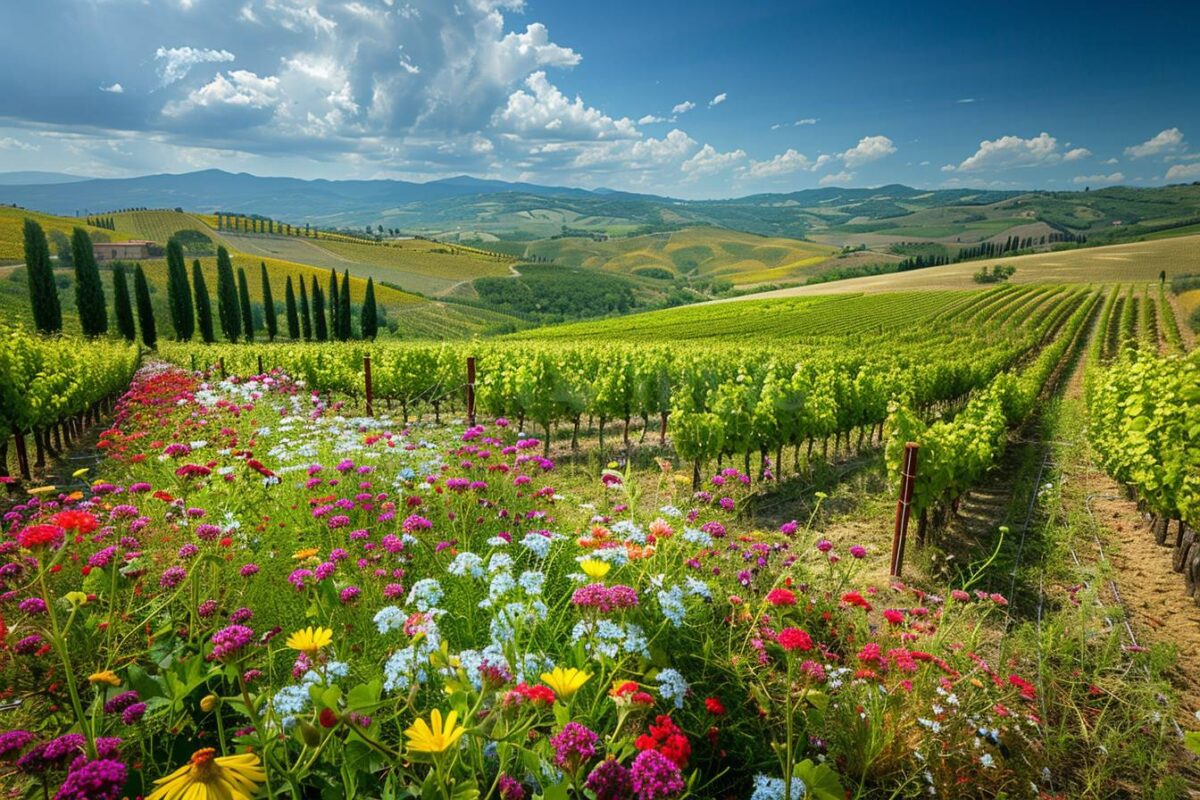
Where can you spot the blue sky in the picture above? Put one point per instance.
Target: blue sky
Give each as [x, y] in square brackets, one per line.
[691, 99]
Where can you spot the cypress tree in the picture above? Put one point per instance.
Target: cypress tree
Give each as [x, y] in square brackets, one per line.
[369, 316]
[43, 294]
[89, 292]
[345, 330]
[122, 310]
[305, 317]
[179, 294]
[227, 297]
[293, 319]
[321, 331]
[268, 305]
[335, 329]
[144, 309]
[204, 317]
[244, 301]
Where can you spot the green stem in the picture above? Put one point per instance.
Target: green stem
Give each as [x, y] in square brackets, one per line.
[69, 674]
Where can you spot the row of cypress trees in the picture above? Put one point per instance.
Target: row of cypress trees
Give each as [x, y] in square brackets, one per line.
[189, 305]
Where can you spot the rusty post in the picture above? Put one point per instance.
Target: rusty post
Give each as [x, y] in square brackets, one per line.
[471, 390]
[22, 454]
[908, 475]
[370, 388]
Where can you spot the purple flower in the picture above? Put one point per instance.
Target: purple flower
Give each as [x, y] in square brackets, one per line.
[119, 703]
[511, 788]
[605, 598]
[241, 615]
[188, 550]
[610, 781]
[102, 558]
[349, 594]
[32, 605]
[249, 569]
[655, 777]
[229, 641]
[102, 779]
[172, 577]
[824, 545]
[57, 750]
[207, 532]
[858, 551]
[133, 714]
[13, 742]
[29, 645]
[574, 746]
[207, 608]
[299, 578]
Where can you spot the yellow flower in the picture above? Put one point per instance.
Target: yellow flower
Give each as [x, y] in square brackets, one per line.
[79, 473]
[310, 640]
[208, 703]
[434, 737]
[594, 568]
[76, 598]
[207, 777]
[104, 676]
[42, 489]
[565, 682]
[307, 552]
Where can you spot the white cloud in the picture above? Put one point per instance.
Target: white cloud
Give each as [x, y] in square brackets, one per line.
[708, 160]
[242, 89]
[1113, 161]
[716, 101]
[9, 143]
[786, 162]
[1076, 154]
[177, 62]
[965, 100]
[806, 121]
[1013, 151]
[1184, 172]
[948, 168]
[1166, 141]
[115, 88]
[683, 108]
[548, 112]
[836, 177]
[1115, 177]
[924, 163]
[868, 149]
[650, 119]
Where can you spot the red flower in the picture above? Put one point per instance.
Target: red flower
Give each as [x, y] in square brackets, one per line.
[781, 597]
[714, 706]
[791, 639]
[37, 536]
[666, 737]
[894, 616]
[78, 521]
[328, 718]
[856, 599]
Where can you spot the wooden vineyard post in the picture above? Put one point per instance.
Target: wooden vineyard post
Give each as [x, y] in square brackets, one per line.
[470, 390]
[260, 369]
[908, 477]
[221, 363]
[22, 454]
[370, 389]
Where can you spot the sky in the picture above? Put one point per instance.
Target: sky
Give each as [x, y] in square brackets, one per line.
[689, 99]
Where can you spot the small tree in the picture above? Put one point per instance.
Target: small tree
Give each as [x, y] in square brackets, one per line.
[43, 293]
[122, 309]
[305, 316]
[369, 316]
[335, 306]
[293, 319]
[320, 330]
[89, 292]
[227, 297]
[344, 328]
[144, 309]
[269, 317]
[179, 294]
[204, 318]
[244, 302]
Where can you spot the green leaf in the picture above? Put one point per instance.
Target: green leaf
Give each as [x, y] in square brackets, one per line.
[820, 780]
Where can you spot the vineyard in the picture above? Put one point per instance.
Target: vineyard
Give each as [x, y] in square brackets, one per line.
[639, 558]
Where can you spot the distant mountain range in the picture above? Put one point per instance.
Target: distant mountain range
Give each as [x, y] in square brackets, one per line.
[470, 208]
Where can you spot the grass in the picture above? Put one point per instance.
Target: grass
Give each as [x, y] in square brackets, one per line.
[159, 226]
[12, 237]
[705, 252]
[1135, 261]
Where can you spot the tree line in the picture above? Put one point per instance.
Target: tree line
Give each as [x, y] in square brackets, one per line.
[328, 317]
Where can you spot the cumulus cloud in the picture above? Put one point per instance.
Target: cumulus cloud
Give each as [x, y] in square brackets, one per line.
[1166, 141]
[1076, 154]
[177, 62]
[1013, 151]
[545, 111]
[836, 177]
[1184, 172]
[650, 119]
[683, 108]
[716, 101]
[868, 149]
[114, 88]
[9, 143]
[240, 89]
[785, 163]
[708, 160]
[1115, 177]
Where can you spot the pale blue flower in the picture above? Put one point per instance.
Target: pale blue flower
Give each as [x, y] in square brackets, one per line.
[425, 594]
[672, 686]
[532, 582]
[466, 563]
[389, 618]
[768, 788]
[671, 603]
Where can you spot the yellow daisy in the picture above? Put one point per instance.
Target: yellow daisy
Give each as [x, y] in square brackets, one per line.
[594, 568]
[308, 552]
[104, 676]
[207, 777]
[434, 736]
[310, 640]
[565, 682]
